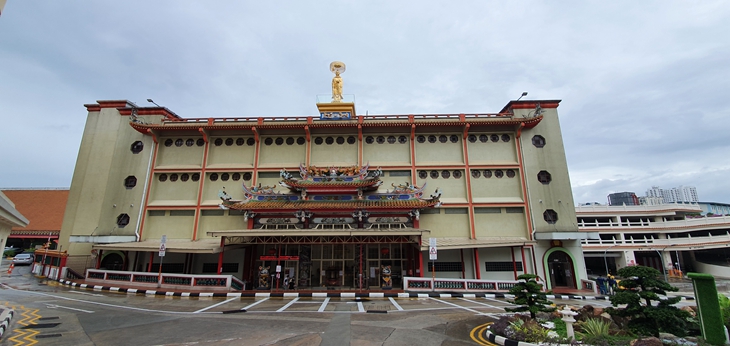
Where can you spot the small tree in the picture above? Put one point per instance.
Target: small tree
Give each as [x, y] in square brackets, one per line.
[646, 318]
[529, 295]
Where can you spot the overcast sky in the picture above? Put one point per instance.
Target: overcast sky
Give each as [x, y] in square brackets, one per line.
[644, 85]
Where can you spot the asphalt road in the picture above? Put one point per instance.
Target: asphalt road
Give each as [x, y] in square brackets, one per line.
[60, 315]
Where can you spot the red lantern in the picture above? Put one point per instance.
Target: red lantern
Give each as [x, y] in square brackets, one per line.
[384, 251]
[272, 251]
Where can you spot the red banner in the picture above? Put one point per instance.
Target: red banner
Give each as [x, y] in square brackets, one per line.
[279, 258]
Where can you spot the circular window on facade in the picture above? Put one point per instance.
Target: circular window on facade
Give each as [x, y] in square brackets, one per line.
[351, 140]
[251, 142]
[422, 174]
[240, 141]
[402, 139]
[487, 173]
[421, 139]
[544, 177]
[510, 173]
[178, 142]
[318, 140]
[279, 141]
[289, 141]
[173, 177]
[236, 176]
[340, 140]
[505, 138]
[483, 138]
[475, 173]
[457, 174]
[168, 142]
[247, 176]
[213, 176]
[122, 220]
[229, 141]
[184, 177]
[225, 176]
[200, 142]
[269, 141]
[472, 138]
[137, 147]
[218, 142]
[130, 182]
[494, 138]
[538, 141]
[369, 139]
[445, 174]
[434, 174]
[162, 177]
[196, 176]
[432, 139]
[443, 139]
[550, 216]
[380, 139]
[454, 138]
[391, 139]
[301, 140]
[498, 173]
[329, 140]
[189, 142]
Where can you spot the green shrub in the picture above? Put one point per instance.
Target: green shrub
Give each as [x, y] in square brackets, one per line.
[529, 295]
[724, 309]
[647, 318]
[594, 327]
[529, 331]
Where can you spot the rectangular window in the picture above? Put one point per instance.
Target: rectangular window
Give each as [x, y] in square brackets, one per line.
[502, 266]
[399, 173]
[445, 266]
[431, 211]
[487, 210]
[157, 213]
[455, 211]
[514, 210]
[181, 213]
[213, 268]
[212, 212]
[236, 212]
[263, 175]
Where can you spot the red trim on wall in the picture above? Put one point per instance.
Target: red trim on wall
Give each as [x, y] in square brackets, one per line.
[525, 197]
[524, 265]
[514, 264]
[528, 104]
[420, 260]
[149, 188]
[477, 265]
[220, 255]
[201, 185]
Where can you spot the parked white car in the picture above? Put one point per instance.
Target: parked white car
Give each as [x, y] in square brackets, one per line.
[23, 258]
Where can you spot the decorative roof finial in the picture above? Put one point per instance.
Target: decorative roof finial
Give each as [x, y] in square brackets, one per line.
[337, 67]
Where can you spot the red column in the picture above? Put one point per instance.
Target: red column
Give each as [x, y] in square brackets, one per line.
[152, 259]
[477, 266]
[220, 255]
[98, 259]
[461, 251]
[514, 264]
[524, 268]
[420, 261]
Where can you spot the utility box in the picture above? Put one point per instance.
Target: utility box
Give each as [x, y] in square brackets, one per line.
[708, 308]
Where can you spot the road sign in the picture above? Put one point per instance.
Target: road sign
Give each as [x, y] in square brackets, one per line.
[163, 240]
[432, 251]
[162, 253]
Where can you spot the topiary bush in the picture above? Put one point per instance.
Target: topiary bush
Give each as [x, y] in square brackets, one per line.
[529, 295]
[649, 314]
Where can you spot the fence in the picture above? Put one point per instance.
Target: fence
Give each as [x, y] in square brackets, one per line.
[166, 280]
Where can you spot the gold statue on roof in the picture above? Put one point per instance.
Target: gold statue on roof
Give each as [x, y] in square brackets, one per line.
[337, 67]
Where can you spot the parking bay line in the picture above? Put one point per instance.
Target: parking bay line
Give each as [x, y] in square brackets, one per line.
[480, 303]
[214, 305]
[256, 303]
[288, 304]
[324, 304]
[397, 306]
[460, 307]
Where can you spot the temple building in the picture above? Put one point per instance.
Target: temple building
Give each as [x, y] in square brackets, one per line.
[332, 200]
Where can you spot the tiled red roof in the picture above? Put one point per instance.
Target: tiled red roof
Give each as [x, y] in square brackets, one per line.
[325, 184]
[43, 208]
[319, 205]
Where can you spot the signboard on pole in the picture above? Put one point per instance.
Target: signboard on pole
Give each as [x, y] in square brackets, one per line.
[432, 251]
[163, 247]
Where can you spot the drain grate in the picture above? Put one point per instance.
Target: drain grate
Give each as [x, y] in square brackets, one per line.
[41, 336]
[41, 325]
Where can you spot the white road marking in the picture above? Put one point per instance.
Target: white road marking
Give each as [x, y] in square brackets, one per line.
[498, 301]
[485, 304]
[53, 306]
[460, 307]
[397, 306]
[88, 294]
[360, 307]
[324, 304]
[256, 303]
[288, 305]
[214, 305]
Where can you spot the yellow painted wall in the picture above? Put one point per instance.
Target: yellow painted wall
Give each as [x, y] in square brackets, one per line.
[170, 192]
[182, 156]
[453, 189]
[491, 152]
[386, 153]
[334, 154]
[446, 225]
[210, 223]
[174, 227]
[230, 156]
[281, 155]
[439, 153]
[496, 190]
[500, 225]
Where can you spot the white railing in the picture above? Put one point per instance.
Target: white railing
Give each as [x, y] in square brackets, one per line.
[418, 284]
[712, 221]
[167, 280]
[669, 207]
[670, 241]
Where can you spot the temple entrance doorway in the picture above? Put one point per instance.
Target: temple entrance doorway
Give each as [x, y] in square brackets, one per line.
[560, 268]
